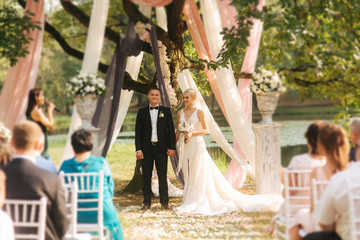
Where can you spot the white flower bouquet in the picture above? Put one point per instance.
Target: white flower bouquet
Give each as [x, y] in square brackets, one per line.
[86, 83]
[5, 131]
[265, 81]
[185, 127]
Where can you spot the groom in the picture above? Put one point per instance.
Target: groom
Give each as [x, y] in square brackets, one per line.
[154, 141]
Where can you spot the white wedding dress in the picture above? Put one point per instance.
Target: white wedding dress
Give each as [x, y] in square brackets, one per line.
[206, 190]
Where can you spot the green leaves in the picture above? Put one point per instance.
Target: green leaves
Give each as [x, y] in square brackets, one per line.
[14, 33]
[315, 44]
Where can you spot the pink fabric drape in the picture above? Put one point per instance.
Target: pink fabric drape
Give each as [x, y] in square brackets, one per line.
[22, 77]
[235, 174]
[152, 3]
[198, 36]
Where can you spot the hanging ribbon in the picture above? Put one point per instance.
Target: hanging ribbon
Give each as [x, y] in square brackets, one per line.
[164, 94]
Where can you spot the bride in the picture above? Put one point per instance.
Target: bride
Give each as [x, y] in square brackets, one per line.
[206, 190]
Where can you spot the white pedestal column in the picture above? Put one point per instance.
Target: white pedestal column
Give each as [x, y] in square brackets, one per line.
[267, 158]
[95, 134]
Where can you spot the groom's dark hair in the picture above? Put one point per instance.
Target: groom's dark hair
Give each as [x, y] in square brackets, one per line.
[154, 88]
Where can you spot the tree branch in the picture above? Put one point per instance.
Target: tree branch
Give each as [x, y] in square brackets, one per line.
[301, 68]
[176, 27]
[84, 19]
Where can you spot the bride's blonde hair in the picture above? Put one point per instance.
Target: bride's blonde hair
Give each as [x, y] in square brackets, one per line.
[191, 92]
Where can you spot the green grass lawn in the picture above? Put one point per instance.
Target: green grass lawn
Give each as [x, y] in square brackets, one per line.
[160, 224]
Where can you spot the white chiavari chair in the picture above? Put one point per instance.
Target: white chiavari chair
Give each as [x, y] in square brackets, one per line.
[89, 185]
[29, 217]
[297, 196]
[354, 215]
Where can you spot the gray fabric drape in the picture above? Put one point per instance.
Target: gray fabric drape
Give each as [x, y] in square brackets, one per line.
[164, 94]
[107, 106]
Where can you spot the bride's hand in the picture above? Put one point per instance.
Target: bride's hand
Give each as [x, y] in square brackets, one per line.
[188, 136]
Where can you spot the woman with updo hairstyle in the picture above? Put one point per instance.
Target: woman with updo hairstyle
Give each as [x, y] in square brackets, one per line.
[312, 158]
[305, 161]
[34, 113]
[333, 143]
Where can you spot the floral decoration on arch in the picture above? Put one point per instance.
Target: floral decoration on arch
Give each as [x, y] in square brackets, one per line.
[143, 31]
[266, 81]
[85, 84]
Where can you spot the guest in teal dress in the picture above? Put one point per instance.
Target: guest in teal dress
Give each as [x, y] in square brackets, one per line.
[82, 143]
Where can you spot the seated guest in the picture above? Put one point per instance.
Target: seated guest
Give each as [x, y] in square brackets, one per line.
[354, 125]
[312, 158]
[24, 180]
[82, 143]
[42, 162]
[5, 151]
[333, 214]
[306, 161]
[6, 225]
[334, 145]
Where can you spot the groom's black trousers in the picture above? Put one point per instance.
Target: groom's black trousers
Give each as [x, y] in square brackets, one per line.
[161, 160]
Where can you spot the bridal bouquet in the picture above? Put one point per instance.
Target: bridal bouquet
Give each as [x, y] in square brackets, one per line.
[86, 83]
[5, 131]
[185, 127]
[265, 81]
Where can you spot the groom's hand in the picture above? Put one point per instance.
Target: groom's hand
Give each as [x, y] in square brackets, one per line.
[170, 152]
[139, 155]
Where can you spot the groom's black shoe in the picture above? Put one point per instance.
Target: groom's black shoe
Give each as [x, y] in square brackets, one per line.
[165, 206]
[145, 207]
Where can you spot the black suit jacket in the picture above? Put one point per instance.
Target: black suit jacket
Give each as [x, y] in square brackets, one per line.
[165, 130]
[24, 180]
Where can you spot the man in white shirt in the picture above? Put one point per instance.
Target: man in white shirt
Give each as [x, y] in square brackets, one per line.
[154, 142]
[334, 208]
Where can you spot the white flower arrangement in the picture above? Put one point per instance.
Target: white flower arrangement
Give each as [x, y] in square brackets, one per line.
[86, 83]
[172, 95]
[185, 127]
[5, 131]
[265, 81]
[142, 30]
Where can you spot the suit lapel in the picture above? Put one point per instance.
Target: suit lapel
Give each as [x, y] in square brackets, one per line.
[147, 116]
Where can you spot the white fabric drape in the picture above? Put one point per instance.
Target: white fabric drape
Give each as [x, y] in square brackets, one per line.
[94, 43]
[238, 120]
[186, 81]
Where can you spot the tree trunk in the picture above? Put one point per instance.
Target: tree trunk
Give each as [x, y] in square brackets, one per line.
[136, 182]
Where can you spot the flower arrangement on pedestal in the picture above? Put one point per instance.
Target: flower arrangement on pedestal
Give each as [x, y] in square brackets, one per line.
[85, 84]
[267, 86]
[265, 81]
[86, 88]
[142, 30]
[5, 131]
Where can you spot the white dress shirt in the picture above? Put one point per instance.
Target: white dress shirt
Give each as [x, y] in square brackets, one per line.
[154, 117]
[334, 205]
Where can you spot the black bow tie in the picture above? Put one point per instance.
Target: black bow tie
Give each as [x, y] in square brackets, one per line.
[151, 108]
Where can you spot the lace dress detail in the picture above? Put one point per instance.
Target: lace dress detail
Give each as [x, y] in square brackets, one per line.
[206, 190]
